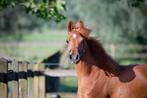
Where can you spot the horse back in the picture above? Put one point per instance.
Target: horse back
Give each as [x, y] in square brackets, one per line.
[131, 82]
[141, 71]
[134, 71]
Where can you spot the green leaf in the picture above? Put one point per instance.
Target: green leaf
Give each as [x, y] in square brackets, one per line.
[46, 9]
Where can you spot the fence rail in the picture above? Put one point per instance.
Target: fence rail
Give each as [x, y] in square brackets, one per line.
[60, 72]
[21, 79]
[118, 51]
[129, 51]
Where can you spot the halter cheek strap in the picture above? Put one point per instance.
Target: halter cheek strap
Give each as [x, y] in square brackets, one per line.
[81, 49]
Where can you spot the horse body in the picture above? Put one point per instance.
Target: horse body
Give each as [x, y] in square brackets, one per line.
[131, 83]
[99, 76]
[93, 82]
[97, 84]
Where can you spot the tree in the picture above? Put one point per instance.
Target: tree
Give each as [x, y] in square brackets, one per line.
[46, 9]
[17, 16]
[113, 21]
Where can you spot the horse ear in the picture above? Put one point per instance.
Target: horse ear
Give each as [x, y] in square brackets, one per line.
[82, 29]
[70, 26]
[81, 24]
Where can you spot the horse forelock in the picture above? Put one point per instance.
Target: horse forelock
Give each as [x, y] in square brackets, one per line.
[99, 54]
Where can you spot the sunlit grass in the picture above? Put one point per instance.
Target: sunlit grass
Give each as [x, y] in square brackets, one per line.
[46, 35]
[49, 42]
[30, 53]
[56, 35]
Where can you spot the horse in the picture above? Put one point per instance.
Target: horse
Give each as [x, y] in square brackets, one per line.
[98, 74]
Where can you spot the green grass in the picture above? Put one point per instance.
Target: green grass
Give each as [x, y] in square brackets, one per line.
[128, 62]
[46, 36]
[35, 53]
[30, 53]
[68, 84]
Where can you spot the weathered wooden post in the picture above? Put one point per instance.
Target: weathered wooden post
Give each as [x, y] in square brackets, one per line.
[30, 76]
[22, 79]
[41, 81]
[12, 78]
[36, 80]
[3, 78]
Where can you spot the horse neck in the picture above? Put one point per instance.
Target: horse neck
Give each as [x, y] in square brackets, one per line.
[84, 66]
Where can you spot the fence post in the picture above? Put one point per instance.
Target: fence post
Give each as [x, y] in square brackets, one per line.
[12, 78]
[113, 50]
[22, 79]
[36, 80]
[3, 78]
[41, 81]
[30, 80]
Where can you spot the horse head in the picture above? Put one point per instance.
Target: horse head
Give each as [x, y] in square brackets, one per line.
[77, 33]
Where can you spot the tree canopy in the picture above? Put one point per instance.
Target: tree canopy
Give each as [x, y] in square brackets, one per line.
[113, 21]
[46, 9]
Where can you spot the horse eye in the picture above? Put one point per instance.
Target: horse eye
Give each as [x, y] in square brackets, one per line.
[67, 41]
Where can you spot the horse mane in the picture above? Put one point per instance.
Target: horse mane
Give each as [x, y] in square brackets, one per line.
[103, 60]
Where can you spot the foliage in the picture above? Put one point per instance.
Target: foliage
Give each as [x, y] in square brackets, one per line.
[18, 17]
[46, 9]
[135, 3]
[113, 21]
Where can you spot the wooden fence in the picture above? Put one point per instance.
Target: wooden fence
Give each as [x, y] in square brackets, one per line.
[127, 51]
[118, 51]
[21, 79]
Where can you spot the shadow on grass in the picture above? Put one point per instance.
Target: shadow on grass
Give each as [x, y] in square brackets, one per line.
[65, 88]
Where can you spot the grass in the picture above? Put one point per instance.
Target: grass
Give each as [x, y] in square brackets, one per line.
[128, 62]
[55, 35]
[36, 52]
[30, 53]
[68, 84]
[46, 35]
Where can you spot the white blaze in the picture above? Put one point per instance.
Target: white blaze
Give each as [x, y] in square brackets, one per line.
[74, 35]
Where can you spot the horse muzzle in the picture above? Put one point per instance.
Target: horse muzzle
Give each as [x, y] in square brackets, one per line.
[74, 58]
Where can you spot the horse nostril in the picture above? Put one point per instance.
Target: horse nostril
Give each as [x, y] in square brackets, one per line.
[70, 56]
[76, 57]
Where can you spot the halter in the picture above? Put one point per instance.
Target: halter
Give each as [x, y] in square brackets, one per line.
[80, 49]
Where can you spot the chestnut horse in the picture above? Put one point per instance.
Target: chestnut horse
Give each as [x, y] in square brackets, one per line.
[99, 76]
